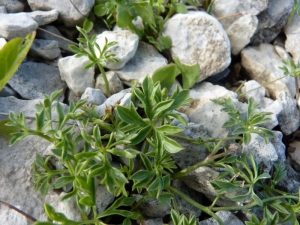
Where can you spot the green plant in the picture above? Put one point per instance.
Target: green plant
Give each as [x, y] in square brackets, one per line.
[295, 10]
[12, 55]
[142, 134]
[292, 69]
[96, 55]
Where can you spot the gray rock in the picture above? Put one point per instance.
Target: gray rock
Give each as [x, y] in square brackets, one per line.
[146, 60]
[292, 42]
[230, 10]
[272, 20]
[71, 12]
[115, 84]
[47, 49]
[291, 182]
[93, 96]
[33, 80]
[2, 42]
[12, 6]
[3, 9]
[155, 221]
[16, 25]
[7, 91]
[289, 117]
[11, 217]
[124, 50]
[262, 64]
[240, 32]
[264, 154]
[77, 78]
[278, 145]
[227, 217]
[44, 17]
[103, 198]
[192, 42]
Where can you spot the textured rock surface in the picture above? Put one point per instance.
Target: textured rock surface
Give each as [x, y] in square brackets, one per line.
[292, 43]
[93, 96]
[47, 49]
[227, 217]
[114, 81]
[2, 42]
[12, 6]
[192, 42]
[44, 17]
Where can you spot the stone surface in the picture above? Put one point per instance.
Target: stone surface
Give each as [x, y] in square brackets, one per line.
[44, 17]
[240, 32]
[3, 9]
[7, 91]
[115, 84]
[192, 42]
[12, 6]
[16, 25]
[33, 80]
[93, 96]
[291, 182]
[227, 217]
[262, 64]
[272, 21]
[77, 78]
[2, 43]
[292, 43]
[124, 49]
[71, 12]
[103, 198]
[145, 61]
[47, 49]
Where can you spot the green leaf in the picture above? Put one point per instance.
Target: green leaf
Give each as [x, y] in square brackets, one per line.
[130, 115]
[63, 181]
[246, 138]
[180, 8]
[127, 153]
[142, 178]
[166, 75]
[210, 7]
[87, 201]
[11, 56]
[257, 199]
[100, 10]
[118, 175]
[169, 129]
[145, 11]
[170, 145]
[226, 186]
[165, 198]
[142, 134]
[60, 217]
[190, 73]
[162, 108]
[6, 131]
[16, 137]
[146, 161]
[88, 25]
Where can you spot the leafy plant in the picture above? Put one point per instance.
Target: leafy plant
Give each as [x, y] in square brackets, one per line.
[96, 55]
[295, 10]
[292, 69]
[12, 55]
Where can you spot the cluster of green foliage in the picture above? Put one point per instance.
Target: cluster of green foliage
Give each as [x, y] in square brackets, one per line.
[141, 136]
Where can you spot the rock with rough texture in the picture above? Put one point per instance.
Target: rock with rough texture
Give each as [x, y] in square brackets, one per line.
[103, 197]
[33, 80]
[16, 25]
[231, 10]
[227, 217]
[115, 84]
[262, 64]
[3, 9]
[291, 182]
[279, 146]
[292, 43]
[44, 17]
[240, 32]
[264, 154]
[124, 49]
[272, 21]
[77, 78]
[93, 96]
[289, 118]
[47, 49]
[145, 61]
[71, 12]
[2, 43]
[192, 42]
[12, 6]
[7, 91]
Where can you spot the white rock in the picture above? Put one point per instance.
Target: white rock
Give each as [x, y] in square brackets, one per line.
[2, 43]
[281, 52]
[124, 49]
[264, 154]
[199, 38]
[289, 118]
[47, 49]
[115, 84]
[254, 89]
[278, 145]
[93, 96]
[146, 60]
[71, 12]
[33, 80]
[262, 64]
[11, 217]
[16, 25]
[77, 78]
[240, 32]
[3, 9]
[44, 17]
[12, 6]
[292, 43]
[227, 217]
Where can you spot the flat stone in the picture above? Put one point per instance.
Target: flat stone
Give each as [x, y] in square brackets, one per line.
[16, 25]
[33, 80]
[12, 6]
[192, 42]
[292, 43]
[145, 61]
[47, 49]
[93, 96]
[71, 12]
[124, 49]
[115, 84]
[44, 17]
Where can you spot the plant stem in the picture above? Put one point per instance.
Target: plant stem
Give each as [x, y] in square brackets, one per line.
[297, 87]
[19, 211]
[105, 79]
[33, 132]
[196, 204]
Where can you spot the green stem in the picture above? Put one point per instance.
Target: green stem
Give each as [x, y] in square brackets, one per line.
[170, 13]
[40, 134]
[104, 78]
[297, 87]
[196, 204]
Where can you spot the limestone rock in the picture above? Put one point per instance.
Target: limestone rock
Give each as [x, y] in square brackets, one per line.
[115, 84]
[291, 182]
[12, 6]
[192, 42]
[2, 43]
[292, 42]
[16, 25]
[47, 49]
[3, 9]
[227, 217]
[103, 198]
[44, 17]
[93, 96]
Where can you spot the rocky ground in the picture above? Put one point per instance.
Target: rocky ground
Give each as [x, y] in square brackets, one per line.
[246, 43]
